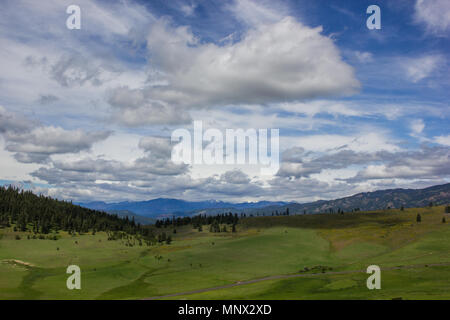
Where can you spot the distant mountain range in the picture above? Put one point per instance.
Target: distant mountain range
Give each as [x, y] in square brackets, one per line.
[131, 215]
[382, 199]
[377, 200]
[167, 207]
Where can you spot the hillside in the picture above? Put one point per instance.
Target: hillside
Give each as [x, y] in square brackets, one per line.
[31, 213]
[379, 200]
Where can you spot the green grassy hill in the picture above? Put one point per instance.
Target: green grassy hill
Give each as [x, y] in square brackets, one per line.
[302, 256]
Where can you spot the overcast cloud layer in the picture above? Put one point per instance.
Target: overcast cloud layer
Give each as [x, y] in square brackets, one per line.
[88, 114]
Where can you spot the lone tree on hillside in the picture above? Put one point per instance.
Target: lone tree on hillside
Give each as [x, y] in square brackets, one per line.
[418, 218]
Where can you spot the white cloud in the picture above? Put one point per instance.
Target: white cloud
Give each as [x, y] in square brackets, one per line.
[443, 140]
[417, 126]
[48, 18]
[75, 69]
[11, 169]
[435, 14]
[255, 13]
[157, 146]
[33, 142]
[420, 68]
[364, 57]
[235, 177]
[188, 9]
[427, 163]
[134, 107]
[358, 142]
[271, 63]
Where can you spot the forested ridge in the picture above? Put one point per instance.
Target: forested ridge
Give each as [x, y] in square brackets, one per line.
[41, 214]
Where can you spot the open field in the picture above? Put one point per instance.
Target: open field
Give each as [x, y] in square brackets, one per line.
[261, 247]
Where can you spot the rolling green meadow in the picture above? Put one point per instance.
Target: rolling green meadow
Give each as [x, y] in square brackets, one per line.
[327, 253]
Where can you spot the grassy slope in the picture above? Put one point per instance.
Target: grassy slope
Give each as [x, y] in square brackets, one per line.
[262, 247]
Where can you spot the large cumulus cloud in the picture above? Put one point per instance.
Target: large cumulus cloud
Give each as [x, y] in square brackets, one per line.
[273, 62]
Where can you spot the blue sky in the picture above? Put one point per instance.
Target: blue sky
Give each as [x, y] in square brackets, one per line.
[87, 114]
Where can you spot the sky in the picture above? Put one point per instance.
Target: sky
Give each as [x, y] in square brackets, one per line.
[87, 114]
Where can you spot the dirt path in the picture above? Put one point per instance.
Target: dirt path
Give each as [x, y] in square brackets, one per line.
[288, 276]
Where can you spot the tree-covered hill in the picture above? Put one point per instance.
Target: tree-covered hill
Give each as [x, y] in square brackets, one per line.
[42, 214]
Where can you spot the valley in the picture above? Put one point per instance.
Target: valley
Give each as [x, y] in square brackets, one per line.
[312, 256]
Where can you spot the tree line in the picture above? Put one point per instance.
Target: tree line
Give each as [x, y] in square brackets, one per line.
[198, 221]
